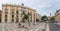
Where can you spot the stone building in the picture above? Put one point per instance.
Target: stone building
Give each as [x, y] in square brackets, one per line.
[38, 16]
[57, 16]
[0, 15]
[14, 13]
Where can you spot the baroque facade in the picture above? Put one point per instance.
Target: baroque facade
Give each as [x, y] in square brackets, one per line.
[14, 13]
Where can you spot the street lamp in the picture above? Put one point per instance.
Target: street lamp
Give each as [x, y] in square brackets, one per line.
[22, 13]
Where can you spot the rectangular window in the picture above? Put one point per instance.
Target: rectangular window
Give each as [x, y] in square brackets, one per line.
[17, 12]
[12, 11]
[12, 20]
[17, 15]
[5, 16]
[5, 20]
[29, 13]
[6, 11]
[12, 16]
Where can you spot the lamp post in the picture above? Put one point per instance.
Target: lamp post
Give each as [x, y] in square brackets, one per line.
[22, 13]
[22, 10]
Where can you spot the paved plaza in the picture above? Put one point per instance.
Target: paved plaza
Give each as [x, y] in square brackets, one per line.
[15, 27]
[36, 27]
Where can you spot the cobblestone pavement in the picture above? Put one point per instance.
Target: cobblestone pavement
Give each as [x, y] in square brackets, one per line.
[15, 27]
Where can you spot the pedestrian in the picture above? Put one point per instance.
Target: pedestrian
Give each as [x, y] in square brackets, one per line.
[19, 25]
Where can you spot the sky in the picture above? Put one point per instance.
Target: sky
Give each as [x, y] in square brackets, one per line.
[42, 7]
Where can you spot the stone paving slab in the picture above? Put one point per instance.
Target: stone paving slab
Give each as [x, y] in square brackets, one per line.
[14, 27]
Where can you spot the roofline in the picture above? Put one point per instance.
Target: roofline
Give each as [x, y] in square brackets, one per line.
[17, 6]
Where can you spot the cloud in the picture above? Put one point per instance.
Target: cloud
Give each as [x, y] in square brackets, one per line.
[43, 7]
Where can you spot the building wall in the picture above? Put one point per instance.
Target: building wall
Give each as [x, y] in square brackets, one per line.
[0, 15]
[17, 16]
[57, 16]
[38, 16]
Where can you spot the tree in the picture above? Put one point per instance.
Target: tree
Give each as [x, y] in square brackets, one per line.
[52, 19]
[44, 18]
[25, 17]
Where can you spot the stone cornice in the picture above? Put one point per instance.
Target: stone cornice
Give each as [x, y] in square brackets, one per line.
[17, 6]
